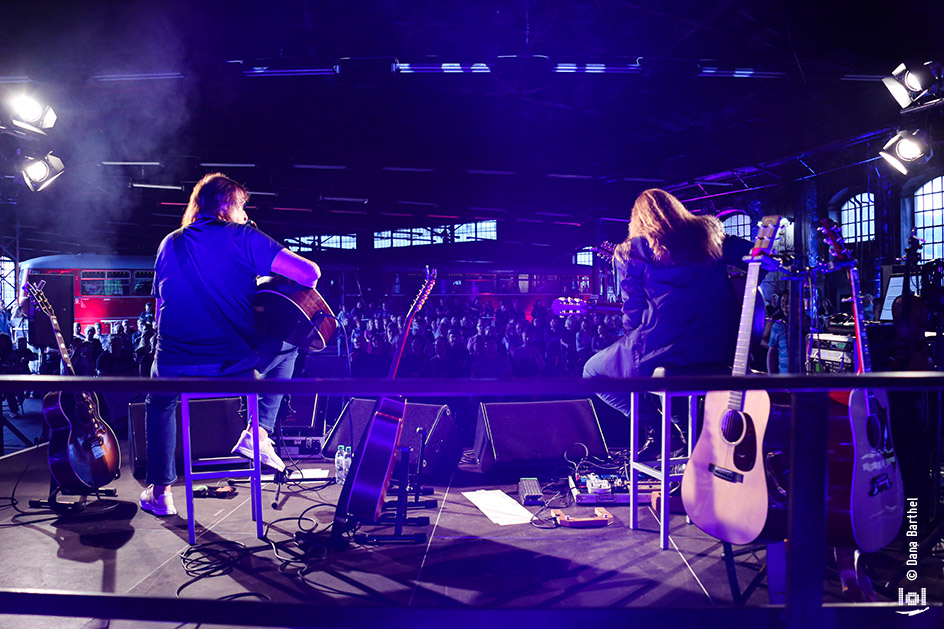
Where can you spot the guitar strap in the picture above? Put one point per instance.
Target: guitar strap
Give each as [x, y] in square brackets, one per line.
[212, 309]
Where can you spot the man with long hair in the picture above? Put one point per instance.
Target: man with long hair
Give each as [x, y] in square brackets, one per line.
[678, 308]
[204, 281]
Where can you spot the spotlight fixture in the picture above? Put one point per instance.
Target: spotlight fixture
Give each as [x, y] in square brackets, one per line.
[905, 150]
[31, 115]
[39, 173]
[914, 84]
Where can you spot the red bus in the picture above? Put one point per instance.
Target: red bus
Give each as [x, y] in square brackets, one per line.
[86, 289]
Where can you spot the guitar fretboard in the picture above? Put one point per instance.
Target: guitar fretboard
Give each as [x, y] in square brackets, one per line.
[863, 361]
[745, 327]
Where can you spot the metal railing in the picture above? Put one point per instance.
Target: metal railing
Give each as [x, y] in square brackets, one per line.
[807, 512]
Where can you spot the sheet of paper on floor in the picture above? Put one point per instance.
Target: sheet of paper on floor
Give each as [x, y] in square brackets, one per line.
[498, 506]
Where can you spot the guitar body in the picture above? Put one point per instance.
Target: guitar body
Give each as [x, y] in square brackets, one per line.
[724, 487]
[865, 506]
[372, 467]
[290, 312]
[83, 450]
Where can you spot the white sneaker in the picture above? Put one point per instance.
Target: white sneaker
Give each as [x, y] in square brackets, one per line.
[267, 453]
[161, 504]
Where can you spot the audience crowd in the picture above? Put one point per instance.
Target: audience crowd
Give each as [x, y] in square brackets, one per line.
[468, 338]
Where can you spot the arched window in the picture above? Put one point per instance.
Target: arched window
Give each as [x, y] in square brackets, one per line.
[736, 223]
[857, 216]
[929, 217]
[584, 257]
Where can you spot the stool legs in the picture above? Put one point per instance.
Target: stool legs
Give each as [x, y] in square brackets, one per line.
[662, 470]
[255, 471]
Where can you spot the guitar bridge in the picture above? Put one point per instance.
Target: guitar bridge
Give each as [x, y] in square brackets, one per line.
[725, 474]
[879, 484]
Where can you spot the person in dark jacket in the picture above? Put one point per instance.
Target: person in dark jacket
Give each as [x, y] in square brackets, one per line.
[677, 302]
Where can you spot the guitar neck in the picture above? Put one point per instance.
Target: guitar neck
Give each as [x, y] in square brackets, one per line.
[745, 327]
[864, 362]
[63, 349]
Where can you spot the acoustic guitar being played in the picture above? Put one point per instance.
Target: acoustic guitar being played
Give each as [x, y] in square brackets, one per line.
[83, 451]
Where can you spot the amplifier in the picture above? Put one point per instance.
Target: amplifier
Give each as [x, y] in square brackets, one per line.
[831, 353]
[299, 447]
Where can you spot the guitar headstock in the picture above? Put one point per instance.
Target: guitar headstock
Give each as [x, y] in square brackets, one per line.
[424, 293]
[566, 306]
[605, 251]
[39, 298]
[833, 235]
[766, 237]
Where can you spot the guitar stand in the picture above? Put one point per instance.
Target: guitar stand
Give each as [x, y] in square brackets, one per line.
[398, 519]
[415, 484]
[728, 554]
[77, 508]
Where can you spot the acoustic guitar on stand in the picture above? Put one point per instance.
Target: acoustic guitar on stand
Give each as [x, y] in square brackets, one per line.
[83, 451]
[724, 487]
[866, 502]
[362, 496]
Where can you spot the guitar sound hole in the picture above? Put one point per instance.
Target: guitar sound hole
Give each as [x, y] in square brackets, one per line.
[732, 426]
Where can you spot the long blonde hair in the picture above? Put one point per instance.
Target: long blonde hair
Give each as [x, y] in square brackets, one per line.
[675, 235]
[212, 197]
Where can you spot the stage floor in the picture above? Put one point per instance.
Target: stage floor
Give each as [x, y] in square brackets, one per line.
[467, 561]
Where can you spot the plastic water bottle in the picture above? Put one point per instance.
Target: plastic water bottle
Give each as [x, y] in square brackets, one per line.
[348, 459]
[339, 466]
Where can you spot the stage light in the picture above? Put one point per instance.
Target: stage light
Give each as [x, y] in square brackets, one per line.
[31, 115]
[906, 150]
[914, 84]
[40, 173]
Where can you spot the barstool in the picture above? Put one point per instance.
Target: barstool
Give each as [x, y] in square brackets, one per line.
[660, 470]
[254, 468]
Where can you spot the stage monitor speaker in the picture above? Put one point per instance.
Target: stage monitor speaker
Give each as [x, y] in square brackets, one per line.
[215, 427]
[59, 292]
[533, 437]
[442, 449]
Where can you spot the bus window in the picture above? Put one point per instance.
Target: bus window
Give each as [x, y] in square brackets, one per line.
[143, 282]
[105, 283]
[92, 283]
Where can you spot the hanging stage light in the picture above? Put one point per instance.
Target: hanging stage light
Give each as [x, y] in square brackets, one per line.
[906, 150]
[915, 84]
[39, 173]
[29, 114]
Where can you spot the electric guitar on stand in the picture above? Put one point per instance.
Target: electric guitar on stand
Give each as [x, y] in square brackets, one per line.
[866, 502]
[363, 493]
[83, 451]
[724, 487]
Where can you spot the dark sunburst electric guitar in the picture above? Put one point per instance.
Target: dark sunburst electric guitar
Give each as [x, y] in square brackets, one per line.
[83, 451]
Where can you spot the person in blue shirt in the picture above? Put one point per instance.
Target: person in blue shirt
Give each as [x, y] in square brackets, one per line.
[204, 282]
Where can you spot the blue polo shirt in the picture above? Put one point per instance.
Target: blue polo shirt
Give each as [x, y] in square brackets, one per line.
[225, 259]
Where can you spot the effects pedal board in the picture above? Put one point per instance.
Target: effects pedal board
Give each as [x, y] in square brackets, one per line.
[592, 489]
